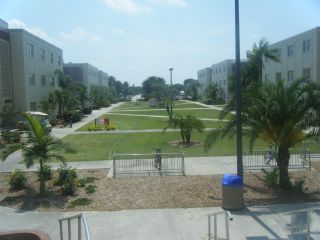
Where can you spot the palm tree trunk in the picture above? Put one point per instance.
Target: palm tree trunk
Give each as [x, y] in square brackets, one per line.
[42, 190]
[182, 136]
[283, 163]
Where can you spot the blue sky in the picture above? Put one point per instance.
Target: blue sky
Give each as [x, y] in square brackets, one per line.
[134, 39]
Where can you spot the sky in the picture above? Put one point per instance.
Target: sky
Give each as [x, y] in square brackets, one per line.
[134, 39]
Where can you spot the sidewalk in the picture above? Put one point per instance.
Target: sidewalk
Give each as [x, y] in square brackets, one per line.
[252, 223]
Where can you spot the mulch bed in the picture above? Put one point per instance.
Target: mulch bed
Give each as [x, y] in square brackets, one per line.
[154, 192]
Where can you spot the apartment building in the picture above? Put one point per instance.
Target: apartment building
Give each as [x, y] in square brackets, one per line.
[204, 80]
[5, 66]
[33, 62]
[221, 73]
[299, 58]
[86, 74]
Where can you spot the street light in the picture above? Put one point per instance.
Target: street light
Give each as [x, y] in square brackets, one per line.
[170, 69]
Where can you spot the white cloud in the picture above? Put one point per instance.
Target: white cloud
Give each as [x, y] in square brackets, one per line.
[181, 3]
[79, 34]
[39, 32]
[128, 6]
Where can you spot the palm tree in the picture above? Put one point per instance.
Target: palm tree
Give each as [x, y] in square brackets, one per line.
[279, 114]
[187, 125]
[43, 148]
[260, 52]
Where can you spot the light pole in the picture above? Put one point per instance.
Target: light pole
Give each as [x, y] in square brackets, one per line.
[170, 69]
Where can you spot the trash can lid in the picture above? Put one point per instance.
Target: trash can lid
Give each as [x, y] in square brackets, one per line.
[231, 180]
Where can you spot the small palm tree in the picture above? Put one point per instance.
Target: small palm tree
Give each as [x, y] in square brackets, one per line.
[280, 114]
[43, 148]
[187, 125]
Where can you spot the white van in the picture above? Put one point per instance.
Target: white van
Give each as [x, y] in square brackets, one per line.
[43, 119]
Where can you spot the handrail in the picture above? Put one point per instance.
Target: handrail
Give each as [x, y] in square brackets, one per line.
[79, 217]
[227, 216]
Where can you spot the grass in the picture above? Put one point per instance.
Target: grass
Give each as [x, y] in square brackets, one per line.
[80, 202]
[103, 145]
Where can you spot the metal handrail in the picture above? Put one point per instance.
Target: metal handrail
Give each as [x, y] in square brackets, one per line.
[79, 217]
[227, 216]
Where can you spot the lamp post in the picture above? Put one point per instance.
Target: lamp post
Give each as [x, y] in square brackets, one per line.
[170, 69]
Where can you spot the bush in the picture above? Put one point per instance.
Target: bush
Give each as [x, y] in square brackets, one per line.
[90, 189]
[66, 173]
[76, 115]
[80, 202]
[11, 136]
[69, 186]
[46, 172]
[17, 180]
[298, 186]
[271, 178]
[87, 110]
[85, 180]
[110, 127]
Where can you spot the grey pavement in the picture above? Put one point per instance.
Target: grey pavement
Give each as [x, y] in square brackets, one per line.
[252, 223]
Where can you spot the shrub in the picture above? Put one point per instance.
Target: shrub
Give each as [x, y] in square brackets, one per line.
[66, 172]
[80, 202]
[110, 127]
[87, 110]
[76, 115]
[298, 186]
[271, 178]
[90, 189]
[11, 136]
[85, 180]
[46, 172]
[17, 180]
[69, 186]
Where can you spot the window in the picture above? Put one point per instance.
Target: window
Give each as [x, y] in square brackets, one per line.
[278, 76]
[32, 80]
[33, 106]
[306, 45]
[59, 60]
[30, 50]
[42, 54]
[43, 80]
[52, 81]
[306, 73]
[290, 76]
[266, 77]
[290, 50]
[51, 57]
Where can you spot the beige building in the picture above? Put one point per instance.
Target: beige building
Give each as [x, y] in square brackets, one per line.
[204, 80]
[221, 73]
[86, 74]
[5, 66]
[33, 62]
[299, 58]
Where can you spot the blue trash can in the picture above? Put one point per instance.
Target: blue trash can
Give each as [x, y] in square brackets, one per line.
[232, 192]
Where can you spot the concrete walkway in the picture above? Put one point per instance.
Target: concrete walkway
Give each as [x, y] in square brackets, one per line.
[252, 223]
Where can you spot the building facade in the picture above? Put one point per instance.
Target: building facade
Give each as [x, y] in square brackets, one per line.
[221, 73]
[33, 62]
[6, 91]
[86, 74]
[299, 58]
[204, 80]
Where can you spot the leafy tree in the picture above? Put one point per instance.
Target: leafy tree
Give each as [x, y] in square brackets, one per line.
[64, 81]
[7, 116]
[187, 125]
[43, 148]
[279, 114]
[191, 88]
[82, 94]
[153, 87]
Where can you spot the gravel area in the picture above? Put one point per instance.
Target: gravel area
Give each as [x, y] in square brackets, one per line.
[154, 192]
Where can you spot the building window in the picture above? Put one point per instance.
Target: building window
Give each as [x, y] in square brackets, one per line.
[30, 50]
[266, 78]
[278, 76]
[42, 54]
[43, 80]
[52, 81]
[51, 57]
[32, 78]
[59, 60]
[33, 106]
[306, 73]
[290, 50]
[290, 76]
[306, 45]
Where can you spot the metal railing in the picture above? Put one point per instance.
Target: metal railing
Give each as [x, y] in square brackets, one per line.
[260, 159]
[227, 218]
[81, 220]
[152, 164]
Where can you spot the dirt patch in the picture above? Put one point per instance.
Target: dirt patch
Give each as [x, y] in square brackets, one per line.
[153, 192]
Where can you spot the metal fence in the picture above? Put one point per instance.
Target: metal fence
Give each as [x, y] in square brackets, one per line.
[76, 226]
[152, 164]
[213, 233]
[263, 159]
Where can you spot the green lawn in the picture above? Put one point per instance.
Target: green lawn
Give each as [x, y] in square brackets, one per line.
[100, 146]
